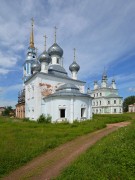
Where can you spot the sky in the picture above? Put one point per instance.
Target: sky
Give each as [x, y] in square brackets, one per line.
[102, 31]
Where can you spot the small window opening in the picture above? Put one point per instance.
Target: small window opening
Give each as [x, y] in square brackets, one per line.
[57, 60]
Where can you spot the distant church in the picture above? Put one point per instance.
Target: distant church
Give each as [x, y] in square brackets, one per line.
[106, 98]
[50, 91]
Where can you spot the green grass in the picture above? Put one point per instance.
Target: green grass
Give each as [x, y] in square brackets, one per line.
[22, 141]
[112, 158]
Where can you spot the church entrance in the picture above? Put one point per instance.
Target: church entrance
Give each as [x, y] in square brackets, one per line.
[62, 113]
[83, 112]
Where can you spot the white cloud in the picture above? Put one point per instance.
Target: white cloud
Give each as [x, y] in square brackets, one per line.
[4, 71]
[101, 31]
[131, 89]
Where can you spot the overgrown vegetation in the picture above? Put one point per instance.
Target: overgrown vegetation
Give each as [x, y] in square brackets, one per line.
[20, 141]
[111, 158]
[127, 101]
[8, 111]
[44, 119]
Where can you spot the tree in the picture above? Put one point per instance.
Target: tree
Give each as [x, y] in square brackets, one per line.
[8, 110]
[127, 101]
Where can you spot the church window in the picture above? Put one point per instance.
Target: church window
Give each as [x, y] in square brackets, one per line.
[108, 102]
[114, 101]
[62, 113]
[100, 94]
[97, 103]
[57, 60]
[100, 102]
[114, 110]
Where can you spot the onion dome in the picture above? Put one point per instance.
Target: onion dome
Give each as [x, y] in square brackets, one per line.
[29, 57]
[44, 57]
[55, 49]
[35, 66]
[74, 67]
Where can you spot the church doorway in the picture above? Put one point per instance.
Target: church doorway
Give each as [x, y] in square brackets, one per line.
[83, 112]
[62, 113]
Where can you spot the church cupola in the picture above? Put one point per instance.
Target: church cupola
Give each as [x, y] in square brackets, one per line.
[74, 67]
[88, 91]
[104, 80]
[56, 52]
[96, 86]
[44, 59]
[35, 67]
[31, 55]
[113, 84]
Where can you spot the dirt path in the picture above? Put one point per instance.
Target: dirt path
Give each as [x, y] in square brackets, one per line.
[50, 164]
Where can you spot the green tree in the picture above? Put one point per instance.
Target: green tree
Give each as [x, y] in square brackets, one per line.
[8, 110]
[127, 101]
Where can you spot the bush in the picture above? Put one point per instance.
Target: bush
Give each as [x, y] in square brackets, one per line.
[44, 119]
[26, 119]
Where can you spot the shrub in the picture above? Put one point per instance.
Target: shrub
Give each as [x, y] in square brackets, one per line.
[26, 119]
[44, 119]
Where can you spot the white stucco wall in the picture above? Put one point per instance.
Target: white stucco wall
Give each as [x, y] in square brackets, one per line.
[71, 104]
[33, 95]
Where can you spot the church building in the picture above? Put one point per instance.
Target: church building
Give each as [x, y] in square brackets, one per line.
[106, 99]
[48, 88]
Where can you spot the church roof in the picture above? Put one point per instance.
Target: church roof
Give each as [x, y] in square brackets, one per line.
[67, 86]
[113, 95]
[56, 69]
[68, 89]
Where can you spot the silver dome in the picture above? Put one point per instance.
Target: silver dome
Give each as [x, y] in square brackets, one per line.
[44, 57]
[55, 49]
[29, 57]
[67, 87]
[35, 66]
[74, 67]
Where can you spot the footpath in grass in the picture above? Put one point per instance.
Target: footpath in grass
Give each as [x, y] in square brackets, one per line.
[111, 158]
[22, 141]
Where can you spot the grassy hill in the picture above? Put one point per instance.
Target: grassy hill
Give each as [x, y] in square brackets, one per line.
[112, 158]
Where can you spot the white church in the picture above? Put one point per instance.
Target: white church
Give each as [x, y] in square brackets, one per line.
[106, 99]
[48, 88]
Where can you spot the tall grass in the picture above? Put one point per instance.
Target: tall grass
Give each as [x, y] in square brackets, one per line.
[20, 141]
[112, 158]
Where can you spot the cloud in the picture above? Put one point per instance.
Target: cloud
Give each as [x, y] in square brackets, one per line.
[4, 71]
[101, 31]
[131, 89]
